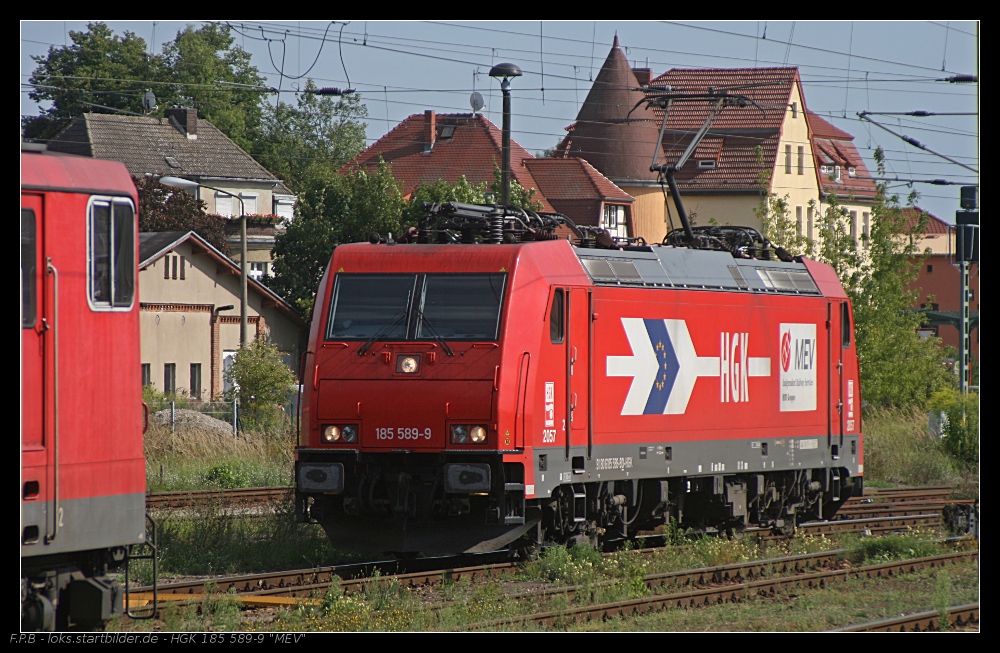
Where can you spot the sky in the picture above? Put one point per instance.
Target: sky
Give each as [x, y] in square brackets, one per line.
[402, 68]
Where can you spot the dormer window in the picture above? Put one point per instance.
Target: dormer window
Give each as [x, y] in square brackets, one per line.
[852, 172]
[824, 170]
[836, 173]
[706, 164]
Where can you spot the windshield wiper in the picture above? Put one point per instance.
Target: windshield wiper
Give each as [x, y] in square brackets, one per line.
[386, 329]
[434, 332]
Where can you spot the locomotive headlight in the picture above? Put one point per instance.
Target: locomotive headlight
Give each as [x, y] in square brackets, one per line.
[478, 434]
[407, 364]
[459, 434]
[350, 433]
[331, 434]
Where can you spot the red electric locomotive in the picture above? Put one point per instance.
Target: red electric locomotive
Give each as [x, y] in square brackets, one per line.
[492, 385]
[83, 478]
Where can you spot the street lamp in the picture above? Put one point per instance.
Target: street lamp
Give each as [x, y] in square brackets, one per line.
[177, 182]
[506, 71]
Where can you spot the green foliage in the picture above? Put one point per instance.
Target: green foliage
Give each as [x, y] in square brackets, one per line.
[261, 381]
[442, 191]
[900, 450]
[98, 67]
[310, 142]
[333, 209]
[162, 208]
[961, 431]
[874, 550]
[774, 213]
[198, 59]
[226, 476]
[898, 368]
[103, 68]
[519, 195]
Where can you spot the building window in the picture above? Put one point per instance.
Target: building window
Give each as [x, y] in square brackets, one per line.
[930, 268]
[224, 204]
[228, 357]
[257, 270]
[706, 163]
[195, 386]
[854, 225]
[147, 378]
[802, 160]
[809, 223]
[798, 220]
[852, 172]
[865, 227]
[249, 203]
[284, 208]
[169, 378]
[795, 109]
[788, 159]
[182, 268]
[614, 219]
[836, 174]
[111, 252]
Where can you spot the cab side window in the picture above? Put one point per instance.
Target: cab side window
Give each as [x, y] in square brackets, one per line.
[556, 322]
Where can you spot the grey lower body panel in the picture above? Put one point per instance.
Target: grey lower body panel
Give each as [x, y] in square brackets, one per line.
[83, 524]
[617, 462]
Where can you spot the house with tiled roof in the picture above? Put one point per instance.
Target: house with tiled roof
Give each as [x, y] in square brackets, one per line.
[189, 315]
[938, 281]
[427, 147]
[183, 145]
[721, 181]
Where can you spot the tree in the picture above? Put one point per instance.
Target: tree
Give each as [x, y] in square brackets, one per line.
[333, 209]
[99, 67]
[441, 191]
[313, 139]
[102, 68]
[198, 59]
[897, 366]
[166, 209]
[261, 381]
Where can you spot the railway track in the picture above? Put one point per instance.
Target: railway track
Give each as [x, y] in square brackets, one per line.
[281, 588]
[957, 616]
[242, 497]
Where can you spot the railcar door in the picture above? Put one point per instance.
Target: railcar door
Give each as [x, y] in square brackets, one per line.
[835, 370]
[32, 323]
[578, 366]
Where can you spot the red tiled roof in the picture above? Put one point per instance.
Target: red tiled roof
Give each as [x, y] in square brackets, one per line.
[769, 87]
[573, 179]
[835, 147]
[935, 225]
[820, 128]
[473, 149]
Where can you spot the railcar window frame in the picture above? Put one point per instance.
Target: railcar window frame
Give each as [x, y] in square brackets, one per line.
[116, 275]
[557, 310]
[415, 329]
[29, 268]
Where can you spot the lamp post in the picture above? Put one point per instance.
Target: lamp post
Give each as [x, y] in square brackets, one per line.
[177, 182]
[505, 71]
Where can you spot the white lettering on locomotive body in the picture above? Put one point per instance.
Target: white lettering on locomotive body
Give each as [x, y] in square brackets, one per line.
[797, 373]
[664, 366]
[550, 403]
[734, 367]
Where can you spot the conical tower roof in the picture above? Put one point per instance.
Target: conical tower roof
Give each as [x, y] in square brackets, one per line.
[619, 145]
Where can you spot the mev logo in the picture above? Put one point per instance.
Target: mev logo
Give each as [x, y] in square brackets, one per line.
[798, 367]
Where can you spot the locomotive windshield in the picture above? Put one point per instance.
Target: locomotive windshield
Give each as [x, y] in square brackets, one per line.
[416, 306]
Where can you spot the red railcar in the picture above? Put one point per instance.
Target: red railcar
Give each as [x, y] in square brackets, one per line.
[83, 478]
[467, 397]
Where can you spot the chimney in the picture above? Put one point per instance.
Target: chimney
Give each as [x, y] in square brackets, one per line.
[185, 120]
[644, 75]
[430, 130]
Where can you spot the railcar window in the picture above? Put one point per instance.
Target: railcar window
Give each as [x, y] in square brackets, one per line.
[460, 307]
[845, 325]
[369, 305]
[556, 317]
[111, 252]
[28, 281]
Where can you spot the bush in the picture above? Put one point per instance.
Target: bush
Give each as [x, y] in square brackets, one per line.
[961, 429]
[261, 382]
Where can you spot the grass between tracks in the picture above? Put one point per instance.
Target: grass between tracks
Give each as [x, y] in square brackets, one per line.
[385, 605]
